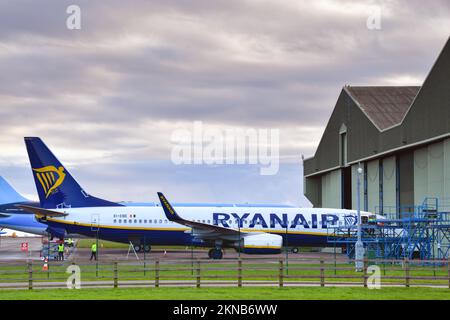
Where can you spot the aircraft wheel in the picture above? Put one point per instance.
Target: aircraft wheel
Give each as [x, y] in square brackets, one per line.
[137, 247]
[217, 254]
[147, 248]
[294, 250]
[210, 253]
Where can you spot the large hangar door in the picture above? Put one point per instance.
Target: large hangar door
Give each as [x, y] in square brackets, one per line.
[347, 188]
[331, 189]
[373, 186]
[389, 193]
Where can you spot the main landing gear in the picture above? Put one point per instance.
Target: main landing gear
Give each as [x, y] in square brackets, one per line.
[216, 253]
[140, 247]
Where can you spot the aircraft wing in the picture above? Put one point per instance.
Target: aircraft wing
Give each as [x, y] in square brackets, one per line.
[41, 212]
[201, 229]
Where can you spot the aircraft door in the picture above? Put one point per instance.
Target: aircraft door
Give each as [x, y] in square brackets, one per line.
[95, 220]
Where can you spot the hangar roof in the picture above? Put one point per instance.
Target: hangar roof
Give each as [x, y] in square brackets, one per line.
[384, 106]
[381, 121]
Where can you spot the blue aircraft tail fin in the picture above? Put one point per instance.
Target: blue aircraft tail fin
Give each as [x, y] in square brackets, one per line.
[55, 185]
[8, 194]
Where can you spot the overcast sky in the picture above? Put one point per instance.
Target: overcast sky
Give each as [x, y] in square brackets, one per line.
[107, 98]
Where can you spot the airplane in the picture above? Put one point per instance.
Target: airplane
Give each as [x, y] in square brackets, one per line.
[255, 229]
[14, 218]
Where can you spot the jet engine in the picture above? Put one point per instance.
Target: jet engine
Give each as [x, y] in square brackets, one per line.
[262, 243]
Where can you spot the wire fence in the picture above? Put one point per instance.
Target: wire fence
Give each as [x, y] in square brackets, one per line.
[226, 273]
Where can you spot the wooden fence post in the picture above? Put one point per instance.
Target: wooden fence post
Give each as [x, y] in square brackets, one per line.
[366, 262]
[116, 273]
[198, 273]
[448, 266]
[30, 276]
[239, 273]
[157, 273]
[406, 272]
[322, 274]
[280, 274]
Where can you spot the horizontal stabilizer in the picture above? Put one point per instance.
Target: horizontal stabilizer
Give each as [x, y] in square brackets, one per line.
[41, 212]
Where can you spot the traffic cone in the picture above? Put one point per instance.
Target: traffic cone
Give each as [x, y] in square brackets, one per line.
[45, 266]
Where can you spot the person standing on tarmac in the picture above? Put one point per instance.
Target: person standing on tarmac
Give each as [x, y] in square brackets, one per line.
[93, 251]
[61, 251]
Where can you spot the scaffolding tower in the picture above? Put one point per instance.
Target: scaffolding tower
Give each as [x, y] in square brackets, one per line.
[420, 232]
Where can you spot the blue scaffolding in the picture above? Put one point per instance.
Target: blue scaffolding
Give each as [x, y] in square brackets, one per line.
[420, 232]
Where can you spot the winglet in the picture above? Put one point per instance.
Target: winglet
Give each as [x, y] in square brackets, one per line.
[170, 212]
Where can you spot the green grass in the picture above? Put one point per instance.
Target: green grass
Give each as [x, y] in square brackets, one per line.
[259, 293]
[215, 271]
[87, 243]
[104, 244]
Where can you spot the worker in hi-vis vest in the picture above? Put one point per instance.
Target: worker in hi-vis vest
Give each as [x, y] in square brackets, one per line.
[93, 251]
[61, 251]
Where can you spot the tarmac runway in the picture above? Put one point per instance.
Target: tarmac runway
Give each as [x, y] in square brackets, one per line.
[10, 251]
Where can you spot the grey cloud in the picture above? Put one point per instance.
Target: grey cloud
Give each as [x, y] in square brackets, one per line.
[111, 91]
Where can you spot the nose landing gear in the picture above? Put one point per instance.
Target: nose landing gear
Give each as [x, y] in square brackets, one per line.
[215, 254]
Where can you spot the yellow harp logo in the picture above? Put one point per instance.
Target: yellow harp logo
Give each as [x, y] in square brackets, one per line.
[50, 178]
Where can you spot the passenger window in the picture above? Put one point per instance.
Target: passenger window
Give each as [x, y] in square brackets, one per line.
[120, 220]
[140, 220]
[114, 221]
[130, 221]
[160, 221]
[145, 220]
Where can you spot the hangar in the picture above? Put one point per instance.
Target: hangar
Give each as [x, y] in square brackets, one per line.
[400, 136]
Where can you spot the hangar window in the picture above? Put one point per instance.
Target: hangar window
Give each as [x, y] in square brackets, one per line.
[343, 145]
